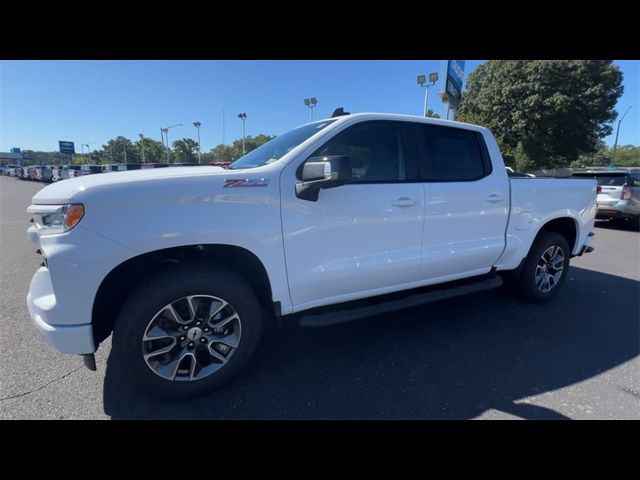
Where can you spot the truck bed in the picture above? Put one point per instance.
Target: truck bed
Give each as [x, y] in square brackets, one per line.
[535, 201]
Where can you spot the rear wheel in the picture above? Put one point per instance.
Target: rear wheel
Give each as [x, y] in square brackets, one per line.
[187, 330]
[545, 268]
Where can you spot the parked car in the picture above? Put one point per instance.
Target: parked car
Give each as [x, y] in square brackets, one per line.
[19, 172]
[123, 167]
[56, 173]
[109, 167]
[321, 225]
[32, 172]
[618, 193]
[90, 169]
[70, 171]
[153, 165]
[44, 173]
[515, 174]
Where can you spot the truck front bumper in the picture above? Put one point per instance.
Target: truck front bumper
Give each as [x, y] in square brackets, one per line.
[41, 302]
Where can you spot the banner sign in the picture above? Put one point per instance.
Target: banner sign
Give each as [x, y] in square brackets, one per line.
[66, 147]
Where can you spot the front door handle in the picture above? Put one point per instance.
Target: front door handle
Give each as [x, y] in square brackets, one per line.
[494, 198]
[405, 202]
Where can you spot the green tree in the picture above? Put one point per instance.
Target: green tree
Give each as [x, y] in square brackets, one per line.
[230, 153]
[544, 113]
[115, 150]
[224, 153]
[430, 114]
[185, 151]
[627, 156]
[598, 158]
[153, 150]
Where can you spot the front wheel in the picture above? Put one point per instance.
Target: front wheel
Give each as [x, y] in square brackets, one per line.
[187, 330]
[545, 268]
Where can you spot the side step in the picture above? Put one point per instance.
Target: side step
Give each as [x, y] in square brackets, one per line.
[342, 316]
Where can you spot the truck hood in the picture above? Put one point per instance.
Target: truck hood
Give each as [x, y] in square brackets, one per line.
[62, 191]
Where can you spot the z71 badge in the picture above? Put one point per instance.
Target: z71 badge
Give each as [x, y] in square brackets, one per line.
[246, 182]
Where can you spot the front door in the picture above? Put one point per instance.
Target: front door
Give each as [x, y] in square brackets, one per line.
[361, 238]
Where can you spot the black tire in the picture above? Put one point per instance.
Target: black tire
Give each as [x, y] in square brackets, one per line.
[167, 286]
[524, 285]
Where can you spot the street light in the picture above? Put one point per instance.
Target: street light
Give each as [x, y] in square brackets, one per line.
[142, 146]
[243, 117]
[197, 125]
[422, 81]
[88, 149]
[311, 103]
[165, 130]
[124, 147]
[615, 145]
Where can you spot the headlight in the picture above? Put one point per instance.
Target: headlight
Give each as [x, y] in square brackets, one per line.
[51, 219]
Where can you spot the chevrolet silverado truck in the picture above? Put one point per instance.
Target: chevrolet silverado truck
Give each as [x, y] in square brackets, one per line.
[339, 219]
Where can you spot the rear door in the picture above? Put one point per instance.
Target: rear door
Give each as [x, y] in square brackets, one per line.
[466, 204]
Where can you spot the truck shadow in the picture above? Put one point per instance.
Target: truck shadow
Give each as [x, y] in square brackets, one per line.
[450, 360]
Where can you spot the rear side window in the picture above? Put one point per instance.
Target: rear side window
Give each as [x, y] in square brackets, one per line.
[453, 155]
[605, 180]
[634, 180]
[612, 181]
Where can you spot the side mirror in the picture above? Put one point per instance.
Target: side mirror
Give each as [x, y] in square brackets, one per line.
[323, 172]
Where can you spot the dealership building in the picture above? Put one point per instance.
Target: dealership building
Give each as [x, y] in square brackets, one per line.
[14, 157]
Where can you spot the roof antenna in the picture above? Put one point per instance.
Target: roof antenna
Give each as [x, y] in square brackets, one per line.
[339, 112]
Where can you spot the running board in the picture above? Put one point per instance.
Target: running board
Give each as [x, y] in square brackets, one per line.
[342, 316]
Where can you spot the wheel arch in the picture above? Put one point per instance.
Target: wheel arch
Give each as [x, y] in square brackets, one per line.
[119, 283]
[566, 226]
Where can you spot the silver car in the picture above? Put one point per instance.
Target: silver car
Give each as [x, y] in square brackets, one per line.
[618, 193]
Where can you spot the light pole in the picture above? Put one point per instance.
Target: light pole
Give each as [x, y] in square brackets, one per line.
[165, 130]
[142, 146]
[124, 147]
[311, 103]
[197, 125]
[88, 149]
[422, 81]
[243, 117]
[162, 140]
[615, 145]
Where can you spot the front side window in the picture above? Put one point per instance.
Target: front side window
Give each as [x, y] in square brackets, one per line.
[453, 155]
[375, 151]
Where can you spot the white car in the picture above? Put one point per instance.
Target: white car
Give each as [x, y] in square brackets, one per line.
[185, 265]
[70, 171]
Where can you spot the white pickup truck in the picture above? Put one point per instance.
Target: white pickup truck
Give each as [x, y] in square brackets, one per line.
[338, 219]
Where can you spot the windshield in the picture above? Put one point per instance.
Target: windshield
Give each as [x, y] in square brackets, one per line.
[275, 149]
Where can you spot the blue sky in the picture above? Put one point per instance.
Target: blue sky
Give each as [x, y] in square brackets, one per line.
[42, 102]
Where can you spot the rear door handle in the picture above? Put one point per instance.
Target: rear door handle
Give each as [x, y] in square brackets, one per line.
[494, 198]
[405, 202]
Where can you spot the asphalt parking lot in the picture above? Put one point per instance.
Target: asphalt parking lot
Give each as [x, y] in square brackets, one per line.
[486, 356]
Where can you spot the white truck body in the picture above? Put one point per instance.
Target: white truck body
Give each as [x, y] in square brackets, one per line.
[355, 241]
